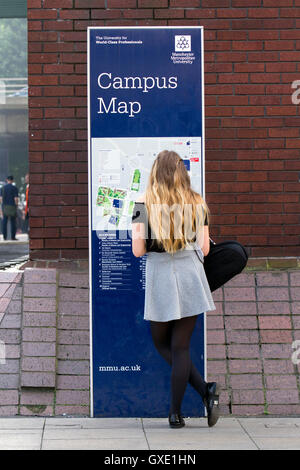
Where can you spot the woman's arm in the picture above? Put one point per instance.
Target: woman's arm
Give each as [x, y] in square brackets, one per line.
[138, 240]
[203, 239]
[206, 243]
[138, 235]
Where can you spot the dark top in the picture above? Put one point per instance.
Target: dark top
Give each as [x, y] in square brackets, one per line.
[140, 216]
[8, 194]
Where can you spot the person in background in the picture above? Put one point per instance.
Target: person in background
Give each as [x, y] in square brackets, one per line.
[26, 212]
[9, 198]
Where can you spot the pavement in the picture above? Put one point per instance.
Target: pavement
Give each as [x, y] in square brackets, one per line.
[148, 434]
[13, 251]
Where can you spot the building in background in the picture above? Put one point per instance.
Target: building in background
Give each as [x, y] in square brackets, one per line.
[14, 96]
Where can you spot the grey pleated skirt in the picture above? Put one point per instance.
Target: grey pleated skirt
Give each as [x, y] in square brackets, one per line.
[176, 286]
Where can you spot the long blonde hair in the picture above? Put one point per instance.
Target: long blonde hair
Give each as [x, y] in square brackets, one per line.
[169, 188]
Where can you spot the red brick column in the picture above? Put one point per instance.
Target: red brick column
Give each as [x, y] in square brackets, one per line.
[252, 126]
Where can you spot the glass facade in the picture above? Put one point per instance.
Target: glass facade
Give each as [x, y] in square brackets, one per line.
[14, 104]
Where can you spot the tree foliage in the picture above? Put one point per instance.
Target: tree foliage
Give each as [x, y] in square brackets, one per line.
[13, 47]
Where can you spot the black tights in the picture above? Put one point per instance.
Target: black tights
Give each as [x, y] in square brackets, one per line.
[172, 340]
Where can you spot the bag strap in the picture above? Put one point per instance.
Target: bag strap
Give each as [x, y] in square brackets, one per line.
[199, 252]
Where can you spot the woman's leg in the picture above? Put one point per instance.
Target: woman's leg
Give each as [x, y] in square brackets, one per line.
[162, 334]
[181, 360]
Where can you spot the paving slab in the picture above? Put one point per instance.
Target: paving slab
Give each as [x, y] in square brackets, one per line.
[273, 433]
[191, 424]
[94, 444]
[92, 423]
[21, 423]
[17, 441]
[278, 443]
[202, 443]
[93, 433]
[21, 433]
[226, 435]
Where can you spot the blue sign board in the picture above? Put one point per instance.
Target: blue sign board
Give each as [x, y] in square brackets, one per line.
[145, 95]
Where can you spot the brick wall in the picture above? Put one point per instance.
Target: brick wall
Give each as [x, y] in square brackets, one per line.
[44, 329]
[249, 343]
[252, 126]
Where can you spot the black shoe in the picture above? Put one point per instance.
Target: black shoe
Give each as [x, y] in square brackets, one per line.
[212, 403]
[176, 421]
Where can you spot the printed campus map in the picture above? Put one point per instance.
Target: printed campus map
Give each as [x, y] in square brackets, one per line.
[120, 172]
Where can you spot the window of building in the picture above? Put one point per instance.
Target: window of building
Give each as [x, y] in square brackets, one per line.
[14, 98]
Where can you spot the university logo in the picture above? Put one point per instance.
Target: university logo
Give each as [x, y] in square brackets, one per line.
[183, 43]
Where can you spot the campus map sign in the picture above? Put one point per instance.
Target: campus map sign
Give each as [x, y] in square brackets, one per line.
[145, 95]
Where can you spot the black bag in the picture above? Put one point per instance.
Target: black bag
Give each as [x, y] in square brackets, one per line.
[224, 261]
[9, 211]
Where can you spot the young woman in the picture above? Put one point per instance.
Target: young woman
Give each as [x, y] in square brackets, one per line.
[169, 221]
